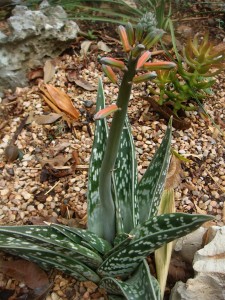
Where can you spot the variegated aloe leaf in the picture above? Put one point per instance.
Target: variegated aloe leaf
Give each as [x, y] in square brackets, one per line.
[90, 238]
[148, 237]
[141, 286]
[47, 258]
[101, 132]
[151, 185]
[125, 183]
[49, 238]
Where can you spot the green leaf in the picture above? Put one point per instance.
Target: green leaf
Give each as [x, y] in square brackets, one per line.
[141, 286]
[49, 238]
[163, 254]
[92, 239]
[147, 238]
[151, 185]
[47, 258]
[125, 182]
[101, 132]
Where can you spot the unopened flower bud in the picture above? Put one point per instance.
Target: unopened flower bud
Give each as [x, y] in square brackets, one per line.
[109, 73]
[101, 114]
[124, 38]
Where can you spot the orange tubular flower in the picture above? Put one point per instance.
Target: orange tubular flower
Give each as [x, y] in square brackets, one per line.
[143, 59]
[101, 114]
[159, 65]
[113, 62]
[144, 77]
[124, 38]
[109, 73]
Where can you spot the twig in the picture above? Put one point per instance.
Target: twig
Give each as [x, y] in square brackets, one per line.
[52, 187]
[219, 186]
[18, 130]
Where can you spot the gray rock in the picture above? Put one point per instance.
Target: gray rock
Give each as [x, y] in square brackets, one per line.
[35, 37]
[209, 265]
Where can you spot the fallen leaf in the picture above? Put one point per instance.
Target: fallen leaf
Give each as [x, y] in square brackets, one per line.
[84, 84]
[173, 177]
[46, 119]
[179, 270]
[49, 70]
[59, 99]
[72, 75]
[48, 173]
[57, 162]
[85, 45]
[34, 74]
[43, 220]
[56, 149]
[76, 158]
[28, 272]
[102, 46]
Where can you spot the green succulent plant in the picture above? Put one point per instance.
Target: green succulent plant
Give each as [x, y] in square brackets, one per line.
[123, 222]
[194, 76]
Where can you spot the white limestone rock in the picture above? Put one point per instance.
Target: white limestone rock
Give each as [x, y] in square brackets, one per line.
[35, 36]
[209, 265]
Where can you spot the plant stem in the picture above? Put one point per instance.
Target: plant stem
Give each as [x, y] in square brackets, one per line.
[112, 146]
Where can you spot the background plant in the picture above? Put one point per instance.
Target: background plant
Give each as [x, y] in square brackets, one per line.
[112, 11]
[194, 76]
[123, 222]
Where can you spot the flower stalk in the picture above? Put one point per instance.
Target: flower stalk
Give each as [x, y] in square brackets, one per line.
[112, 146]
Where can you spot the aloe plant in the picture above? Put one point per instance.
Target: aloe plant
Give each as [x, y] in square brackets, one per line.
[194, 76]
[123, 222]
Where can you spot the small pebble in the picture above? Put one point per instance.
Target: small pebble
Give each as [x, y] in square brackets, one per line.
[26, 195]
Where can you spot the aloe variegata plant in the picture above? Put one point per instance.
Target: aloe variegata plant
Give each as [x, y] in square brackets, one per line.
[123, 222]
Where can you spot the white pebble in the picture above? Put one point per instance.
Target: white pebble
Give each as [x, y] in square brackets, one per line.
[26, 195]
[4, 192]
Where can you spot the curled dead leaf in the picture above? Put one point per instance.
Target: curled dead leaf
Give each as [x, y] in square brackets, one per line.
[49, 70]
[85, 84]
[59, 101]
[85, 45]
[174, 174]
[46, 119]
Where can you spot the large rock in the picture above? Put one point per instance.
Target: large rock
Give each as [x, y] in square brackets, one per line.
[31, 38]
[209, 265]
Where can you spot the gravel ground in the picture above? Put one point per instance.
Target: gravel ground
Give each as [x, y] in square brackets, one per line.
[28, 198]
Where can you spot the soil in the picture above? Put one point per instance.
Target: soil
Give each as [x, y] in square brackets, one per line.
[48, 182]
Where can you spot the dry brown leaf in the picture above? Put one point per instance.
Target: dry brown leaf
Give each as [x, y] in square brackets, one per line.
[85, 45]
[84, 84]
[49, 70]
[173, 177]
[57, 162]
[62, 101]
[179, 269]
[28, 272]
[34, 74]
[76, 158]
[46, 119]
[43, 220]
[71, 75]
[102, 46]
